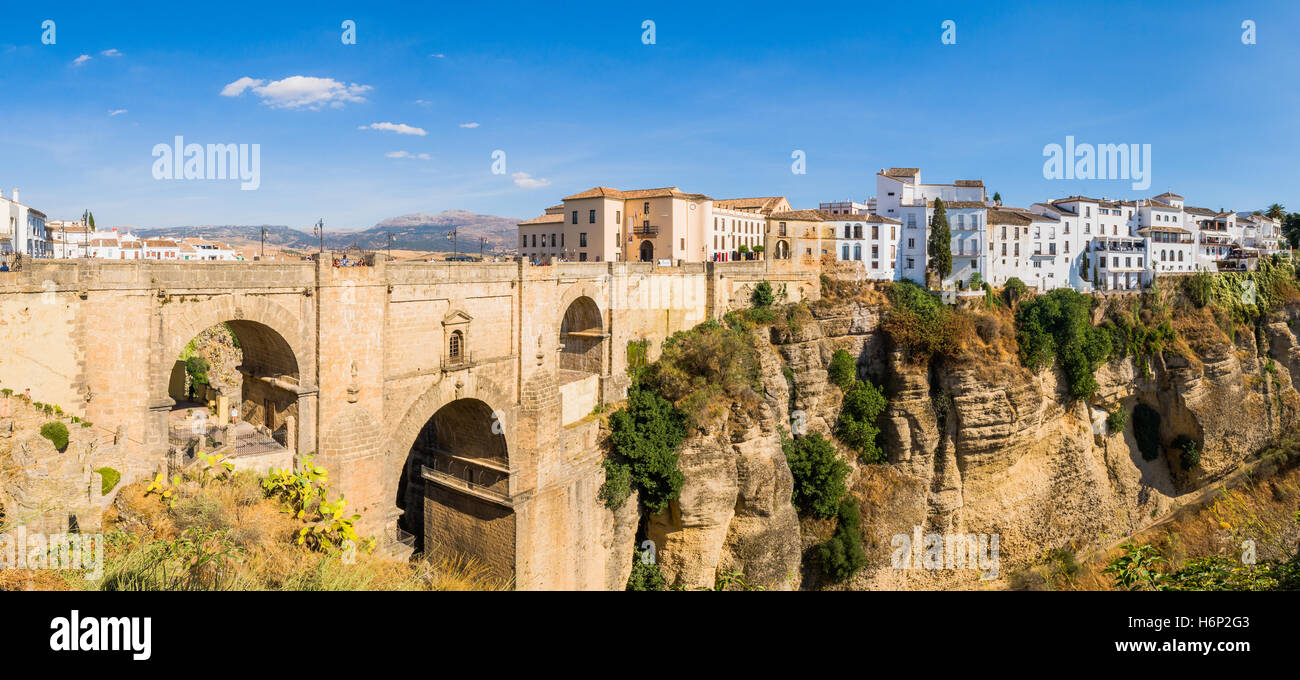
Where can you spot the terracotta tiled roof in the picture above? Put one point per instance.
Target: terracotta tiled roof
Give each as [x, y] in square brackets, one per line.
[1170, 194]
[902, 172]
[549, 218]
[1193, 210]
[1158, 205]
[968, 183]
[634, 194]
[1000, 216]
[802, 216]
[763, 204]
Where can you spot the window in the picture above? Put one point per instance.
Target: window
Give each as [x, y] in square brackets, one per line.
[911, 243]
[534, 240]
[582, 257]
[781, 229]
[575, 216]
[591, 216]
[523, 241]
[857, 252]
[911, 264]
[875, 231]
[618, 217]
[582, 240]
[646, 208]
[456, 345]
[847, 231]
[844, 252]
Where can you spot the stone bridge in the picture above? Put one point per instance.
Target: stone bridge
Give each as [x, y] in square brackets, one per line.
[451, 402]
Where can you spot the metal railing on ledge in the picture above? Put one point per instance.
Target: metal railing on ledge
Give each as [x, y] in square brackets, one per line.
[645, 230]
[448, 480]
[455, 363]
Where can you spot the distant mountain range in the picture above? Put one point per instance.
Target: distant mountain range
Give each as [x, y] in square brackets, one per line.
[416, 231]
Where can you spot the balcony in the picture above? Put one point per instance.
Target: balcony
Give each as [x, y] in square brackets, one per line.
[461, 361]
[647, 230]
[447, 473]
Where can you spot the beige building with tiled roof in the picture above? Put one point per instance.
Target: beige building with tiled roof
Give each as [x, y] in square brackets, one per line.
[663, 225]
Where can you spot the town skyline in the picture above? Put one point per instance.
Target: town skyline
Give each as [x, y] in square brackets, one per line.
[408, 119]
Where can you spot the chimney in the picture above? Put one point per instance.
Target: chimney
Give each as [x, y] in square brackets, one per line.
[15, 199]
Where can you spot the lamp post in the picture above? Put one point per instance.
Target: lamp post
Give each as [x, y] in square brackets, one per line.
[453, 234]
[390, 245]
[263, 243]
[482, 241]
[320, 231]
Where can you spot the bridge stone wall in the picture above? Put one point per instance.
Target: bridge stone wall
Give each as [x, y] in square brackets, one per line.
[362, 354]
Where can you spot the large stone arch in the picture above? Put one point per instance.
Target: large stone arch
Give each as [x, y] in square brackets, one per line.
[277, 352]
[472, 416]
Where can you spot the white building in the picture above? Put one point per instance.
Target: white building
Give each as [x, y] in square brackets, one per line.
[900, 195]
[871, 240]
[23, 228]
[845, 207]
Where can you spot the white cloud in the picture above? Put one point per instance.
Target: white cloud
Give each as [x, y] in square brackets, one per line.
[81, 60]
[399, 128]
[424, 102]
[469, 125]
[524, 180]
[299, 92]
[439, 55]
[117, 112]
[408, 154]
[110, 53]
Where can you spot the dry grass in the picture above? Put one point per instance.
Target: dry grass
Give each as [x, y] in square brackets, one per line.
[1262, 511]
[259, 535]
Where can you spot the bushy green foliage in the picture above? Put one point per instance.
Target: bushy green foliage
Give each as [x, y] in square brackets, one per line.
[644, 438]
[762, 295]
[110, 479]
[1141, 332]
[818, 474]
[1057, 327]
[646, 574]
[1146, 429]
[842, 554]
[1139, 568]
[1190, 455]
[856, 427]
[843, 370]
[920, 322]
[706, 369]
[1014, 290]
[57, 433]
[197, 368]
[1116, 421]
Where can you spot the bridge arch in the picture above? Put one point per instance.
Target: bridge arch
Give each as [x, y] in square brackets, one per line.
[277, 364]
[453, 469]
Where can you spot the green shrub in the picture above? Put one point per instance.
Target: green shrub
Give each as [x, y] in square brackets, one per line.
[7, 392]
[1191, 451]
[645, 574]
[197, 367]
[818, 474]
[843, 370]
[618, 483]
[1057, 327]
[644, 436]
[920, 322]
[762, 295]
[57, 433]
[842, 554]
[856, 427]
[1116, 421]
[1146, 429]
[1014, 290]
[111, 477]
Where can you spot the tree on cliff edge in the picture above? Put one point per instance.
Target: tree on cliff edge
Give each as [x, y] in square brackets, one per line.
[939, 247]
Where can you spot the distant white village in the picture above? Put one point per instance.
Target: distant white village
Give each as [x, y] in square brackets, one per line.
[1076, 241]
[28, 232]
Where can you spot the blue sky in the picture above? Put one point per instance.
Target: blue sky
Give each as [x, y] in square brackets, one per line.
[575, 99]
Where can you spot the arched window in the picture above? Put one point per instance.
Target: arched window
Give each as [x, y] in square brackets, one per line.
[1180, 256]
[456, 345]
[846, 231]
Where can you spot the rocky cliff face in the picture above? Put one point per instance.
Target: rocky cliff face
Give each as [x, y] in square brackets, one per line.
[976, 447]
